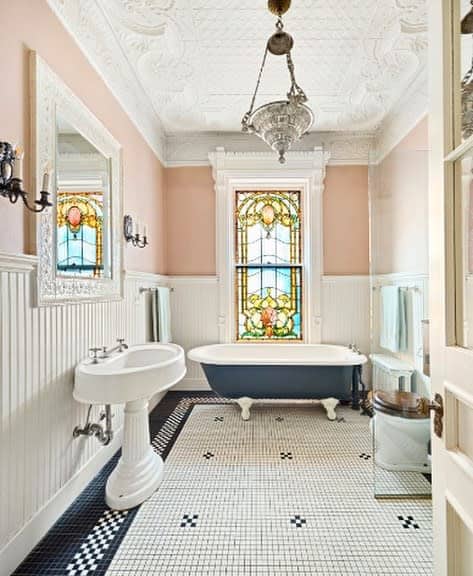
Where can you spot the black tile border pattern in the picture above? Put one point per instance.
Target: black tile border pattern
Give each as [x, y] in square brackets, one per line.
[73, 536]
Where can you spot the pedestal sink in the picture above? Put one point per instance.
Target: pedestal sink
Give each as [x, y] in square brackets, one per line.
[132, 377]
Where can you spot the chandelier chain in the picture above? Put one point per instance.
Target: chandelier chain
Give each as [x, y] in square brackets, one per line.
[295, 89]
[258, 82]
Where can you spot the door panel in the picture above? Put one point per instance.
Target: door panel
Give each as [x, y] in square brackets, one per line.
[451, 288]
[460, 544]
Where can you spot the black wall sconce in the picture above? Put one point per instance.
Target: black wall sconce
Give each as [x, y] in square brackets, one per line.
[134, 236]
[11, 179]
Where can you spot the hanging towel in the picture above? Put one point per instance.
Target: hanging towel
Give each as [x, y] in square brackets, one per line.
[161, 315]
[393, 333]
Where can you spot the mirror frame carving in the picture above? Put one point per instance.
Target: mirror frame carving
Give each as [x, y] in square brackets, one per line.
[50, 96]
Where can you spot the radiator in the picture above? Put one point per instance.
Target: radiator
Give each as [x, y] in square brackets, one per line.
[390, 373]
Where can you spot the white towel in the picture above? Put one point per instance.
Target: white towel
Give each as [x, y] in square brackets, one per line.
[161, 312]
[393, 330]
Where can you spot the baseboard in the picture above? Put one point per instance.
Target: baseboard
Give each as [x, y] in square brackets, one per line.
[192, 384]
[13, 554]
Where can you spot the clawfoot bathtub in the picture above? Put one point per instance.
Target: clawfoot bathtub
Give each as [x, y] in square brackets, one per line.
[249, 373]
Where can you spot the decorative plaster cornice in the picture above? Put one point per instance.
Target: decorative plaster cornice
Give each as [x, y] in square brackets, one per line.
[192, 149]
[88, 25]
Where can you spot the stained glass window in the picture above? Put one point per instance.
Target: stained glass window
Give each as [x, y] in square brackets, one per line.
[268, 255]
[80, 233]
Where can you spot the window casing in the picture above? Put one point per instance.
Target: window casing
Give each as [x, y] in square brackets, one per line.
[240, 171]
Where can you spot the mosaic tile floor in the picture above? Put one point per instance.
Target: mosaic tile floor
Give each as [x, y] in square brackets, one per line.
[287, 492]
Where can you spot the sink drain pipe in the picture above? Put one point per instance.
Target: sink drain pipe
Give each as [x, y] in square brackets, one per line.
[103, 435]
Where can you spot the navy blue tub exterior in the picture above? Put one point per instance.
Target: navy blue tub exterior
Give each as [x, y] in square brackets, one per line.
[285, 382]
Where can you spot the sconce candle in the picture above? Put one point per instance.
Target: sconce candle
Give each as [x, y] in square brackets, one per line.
[11, 178]
[132, 233]
[46, 181]
[18, 164]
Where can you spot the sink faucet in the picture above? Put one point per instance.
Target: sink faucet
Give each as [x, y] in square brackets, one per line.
[94, 352]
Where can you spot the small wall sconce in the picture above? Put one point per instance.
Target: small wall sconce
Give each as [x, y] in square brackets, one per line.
[11, 178]
[132, 233]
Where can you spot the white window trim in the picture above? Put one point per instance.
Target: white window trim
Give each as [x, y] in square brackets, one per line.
[304, 171]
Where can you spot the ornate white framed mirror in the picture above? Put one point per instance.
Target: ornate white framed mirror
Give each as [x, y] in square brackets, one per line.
[79, 238]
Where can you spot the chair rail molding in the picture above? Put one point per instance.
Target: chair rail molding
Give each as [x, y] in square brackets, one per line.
[303, 171]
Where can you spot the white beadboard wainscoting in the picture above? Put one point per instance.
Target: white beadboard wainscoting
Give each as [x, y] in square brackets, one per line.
[417, 310]
[42, 468]
[345, 315]
[194, 317]
[346, 311]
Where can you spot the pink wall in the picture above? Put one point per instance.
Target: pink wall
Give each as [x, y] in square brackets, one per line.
[190, 210]
[400, 206]
[30, 24]
[346, 220]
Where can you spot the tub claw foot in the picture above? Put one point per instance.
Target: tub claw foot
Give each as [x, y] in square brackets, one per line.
[330, 404]
[245, 404]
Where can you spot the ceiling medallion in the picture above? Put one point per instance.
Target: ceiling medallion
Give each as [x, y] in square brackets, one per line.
[283, 122]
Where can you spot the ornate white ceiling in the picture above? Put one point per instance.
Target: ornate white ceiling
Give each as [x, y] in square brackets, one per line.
[194, 63]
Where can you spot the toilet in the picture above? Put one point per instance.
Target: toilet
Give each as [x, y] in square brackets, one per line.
[401, 434]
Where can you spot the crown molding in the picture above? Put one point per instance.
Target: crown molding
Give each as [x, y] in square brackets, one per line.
[89, 27]
[192, 148]
[405, 115]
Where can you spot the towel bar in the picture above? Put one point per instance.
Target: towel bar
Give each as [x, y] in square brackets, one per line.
[143, 290]
[413, 288]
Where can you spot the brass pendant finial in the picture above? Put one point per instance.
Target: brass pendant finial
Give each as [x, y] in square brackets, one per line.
[279, 7]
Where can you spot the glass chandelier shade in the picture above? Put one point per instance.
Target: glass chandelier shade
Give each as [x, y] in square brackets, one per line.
[282, 122]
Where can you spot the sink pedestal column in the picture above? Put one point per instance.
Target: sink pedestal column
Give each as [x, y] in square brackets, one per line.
[139, 470]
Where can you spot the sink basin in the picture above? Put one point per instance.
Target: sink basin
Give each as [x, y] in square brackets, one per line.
[139, 372]
[132, 377]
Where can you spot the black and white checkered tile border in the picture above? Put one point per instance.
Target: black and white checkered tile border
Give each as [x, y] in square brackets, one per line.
[98, 546]
[98, 541]
[162, 440]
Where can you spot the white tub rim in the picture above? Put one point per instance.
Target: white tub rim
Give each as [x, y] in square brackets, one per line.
[207, 354]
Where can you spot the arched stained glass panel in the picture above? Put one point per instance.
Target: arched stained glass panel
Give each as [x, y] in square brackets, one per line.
[268, 256]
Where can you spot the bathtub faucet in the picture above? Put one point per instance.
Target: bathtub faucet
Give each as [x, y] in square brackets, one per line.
[354, 348]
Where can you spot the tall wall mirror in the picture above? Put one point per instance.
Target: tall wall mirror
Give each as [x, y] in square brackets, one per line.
[78, 240]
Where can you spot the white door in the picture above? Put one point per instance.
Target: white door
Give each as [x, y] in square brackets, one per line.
[451, 275]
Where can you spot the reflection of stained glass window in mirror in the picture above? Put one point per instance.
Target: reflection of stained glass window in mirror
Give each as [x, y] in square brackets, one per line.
[82, 205]
[268, 265]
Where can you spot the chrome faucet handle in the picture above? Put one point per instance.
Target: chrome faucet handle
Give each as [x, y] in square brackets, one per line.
[123, 345]
[104, 352]
[93, 353]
